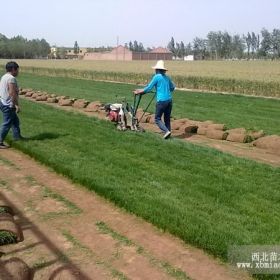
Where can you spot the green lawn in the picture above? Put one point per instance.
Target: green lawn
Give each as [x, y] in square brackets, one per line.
[233, 110]
[205, 197]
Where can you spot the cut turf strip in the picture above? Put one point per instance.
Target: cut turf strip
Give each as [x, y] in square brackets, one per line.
[235, 111]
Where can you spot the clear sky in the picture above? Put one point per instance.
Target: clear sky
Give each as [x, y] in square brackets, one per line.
[152, 22]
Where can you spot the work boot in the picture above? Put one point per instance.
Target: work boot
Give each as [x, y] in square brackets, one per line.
[4, 146]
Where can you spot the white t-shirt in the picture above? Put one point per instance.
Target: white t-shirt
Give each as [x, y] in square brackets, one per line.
[4, 88]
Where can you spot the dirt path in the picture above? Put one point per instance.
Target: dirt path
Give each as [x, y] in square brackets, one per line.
[244, 150]
[70, 230]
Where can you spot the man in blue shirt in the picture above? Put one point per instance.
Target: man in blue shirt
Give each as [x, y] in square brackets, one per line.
[164, 88]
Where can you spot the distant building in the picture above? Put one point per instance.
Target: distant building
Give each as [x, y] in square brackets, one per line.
[71, 55]
[53, 53]
[189, 58]
[155, 54]
[124, 54]
[118, 53]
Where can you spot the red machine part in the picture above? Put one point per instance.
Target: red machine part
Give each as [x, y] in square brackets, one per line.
[113, 116]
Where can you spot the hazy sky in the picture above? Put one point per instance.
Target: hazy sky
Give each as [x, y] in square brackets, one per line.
[152, 22]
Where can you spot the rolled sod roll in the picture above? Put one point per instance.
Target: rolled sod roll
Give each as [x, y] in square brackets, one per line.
[93, 106]
[15, 269]
[8, 225]
[80, 103]
[237, 130]
[216, 134]
[63, 97]
[52, 100]
[5, 208]
[216, 126]
[238, 137]
[22, 92]
[271, 143]
[201, 130]
[25, 90]
[29, 94]
[256, 134]
[34, 95]
[41, 98]
[152, 119]
[139, 113]
[190, 128]
[65, 102]
[147, 117]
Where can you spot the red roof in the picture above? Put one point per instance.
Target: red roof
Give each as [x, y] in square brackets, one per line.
[160, 50]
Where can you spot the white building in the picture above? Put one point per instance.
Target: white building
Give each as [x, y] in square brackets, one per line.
[189, 58]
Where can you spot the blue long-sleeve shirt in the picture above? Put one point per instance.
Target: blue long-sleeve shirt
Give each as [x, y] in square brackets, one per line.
[164, 87]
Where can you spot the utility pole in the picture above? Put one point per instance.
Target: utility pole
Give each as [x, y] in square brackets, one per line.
[117, 48]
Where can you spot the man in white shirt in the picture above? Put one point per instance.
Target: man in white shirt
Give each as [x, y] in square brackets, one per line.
[9, 103]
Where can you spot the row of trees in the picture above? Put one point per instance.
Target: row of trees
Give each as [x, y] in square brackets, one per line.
[19, 47]
[135, 46]
[62, 52]
[216, 45]
[222, 45]
[100, 49]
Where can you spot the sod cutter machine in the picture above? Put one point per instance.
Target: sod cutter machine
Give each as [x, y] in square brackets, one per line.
[124, 114]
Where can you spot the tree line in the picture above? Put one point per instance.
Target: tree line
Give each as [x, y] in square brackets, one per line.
[216, 45]
[135, 46]
[19, 47]
[222, 45]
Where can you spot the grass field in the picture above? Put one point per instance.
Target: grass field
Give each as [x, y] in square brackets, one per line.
[267, 71]
[205, 197]
[233, 110]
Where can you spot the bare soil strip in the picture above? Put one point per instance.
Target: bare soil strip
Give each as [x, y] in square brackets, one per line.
[72, 233]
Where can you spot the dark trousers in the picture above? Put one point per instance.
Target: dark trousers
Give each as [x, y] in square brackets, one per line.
[10, 120]
[163, 108]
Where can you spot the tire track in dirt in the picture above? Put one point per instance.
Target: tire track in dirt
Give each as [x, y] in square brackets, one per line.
[110, 252]
[93, 235]
[44, 249]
